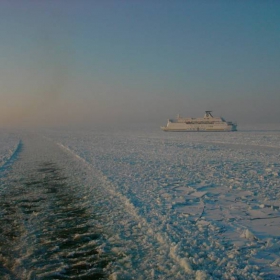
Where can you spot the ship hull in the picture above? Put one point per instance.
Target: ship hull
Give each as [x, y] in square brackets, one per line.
[169, 129]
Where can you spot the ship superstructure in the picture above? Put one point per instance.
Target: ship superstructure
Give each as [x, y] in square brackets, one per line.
[207, 123]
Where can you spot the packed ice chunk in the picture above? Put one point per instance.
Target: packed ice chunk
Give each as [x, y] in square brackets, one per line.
[201, 275]
[248, 235]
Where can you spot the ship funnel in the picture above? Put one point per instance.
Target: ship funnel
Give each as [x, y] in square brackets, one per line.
[208, 114]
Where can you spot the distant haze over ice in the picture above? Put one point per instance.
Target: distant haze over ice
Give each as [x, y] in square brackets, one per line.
[115, 63]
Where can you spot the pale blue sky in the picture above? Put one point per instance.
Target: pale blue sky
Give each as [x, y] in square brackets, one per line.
[66, 61]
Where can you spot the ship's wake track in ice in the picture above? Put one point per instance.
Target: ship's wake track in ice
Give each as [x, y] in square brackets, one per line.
[47, 230]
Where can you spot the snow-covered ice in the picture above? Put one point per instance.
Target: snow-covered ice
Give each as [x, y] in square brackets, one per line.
[180, 205]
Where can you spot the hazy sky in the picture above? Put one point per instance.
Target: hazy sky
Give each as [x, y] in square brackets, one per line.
[81, 62]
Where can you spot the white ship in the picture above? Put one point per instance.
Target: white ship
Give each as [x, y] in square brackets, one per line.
[207, 123]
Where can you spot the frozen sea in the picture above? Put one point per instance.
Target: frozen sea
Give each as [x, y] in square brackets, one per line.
[139, 204]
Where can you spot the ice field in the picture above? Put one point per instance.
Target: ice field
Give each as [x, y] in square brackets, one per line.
[140, 204]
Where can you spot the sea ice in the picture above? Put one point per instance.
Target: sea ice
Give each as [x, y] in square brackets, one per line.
[205, 205]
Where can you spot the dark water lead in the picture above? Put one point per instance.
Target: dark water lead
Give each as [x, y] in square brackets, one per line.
[48, 233]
